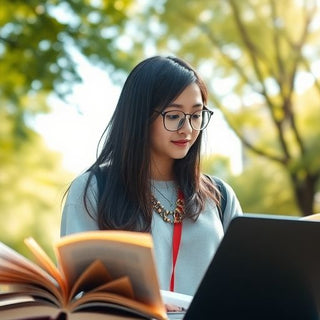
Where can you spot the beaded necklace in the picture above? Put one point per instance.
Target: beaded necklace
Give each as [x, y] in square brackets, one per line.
[169, 216]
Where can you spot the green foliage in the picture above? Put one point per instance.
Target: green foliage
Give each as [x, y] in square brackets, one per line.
[253, 55]
[253, 187]
[38, 39]
[216, 165]
[32, 184]
[259, 194]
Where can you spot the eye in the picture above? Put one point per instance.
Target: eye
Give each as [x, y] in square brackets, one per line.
[197, 115]
[173, 115]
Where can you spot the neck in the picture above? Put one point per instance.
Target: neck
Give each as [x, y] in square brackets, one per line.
[162, 170]
[162, 177]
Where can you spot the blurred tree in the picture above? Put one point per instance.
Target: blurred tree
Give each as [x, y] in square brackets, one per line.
[257, 194]
[253, 187]
[216, 165]
[37, 38]
[32, 185]
[261, 60]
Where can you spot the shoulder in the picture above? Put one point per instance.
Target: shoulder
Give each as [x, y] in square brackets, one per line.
[222, 185]
[224, 188]
[79, 212]
[79, 185]
[225, 185]
[81, 179]
[232, 205]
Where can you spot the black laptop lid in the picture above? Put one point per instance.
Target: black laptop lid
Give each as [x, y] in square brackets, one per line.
[264, 268]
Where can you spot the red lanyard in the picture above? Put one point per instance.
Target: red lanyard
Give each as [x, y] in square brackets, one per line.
[177, 231]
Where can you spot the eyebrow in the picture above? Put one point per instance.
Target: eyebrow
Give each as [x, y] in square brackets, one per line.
[197, 105]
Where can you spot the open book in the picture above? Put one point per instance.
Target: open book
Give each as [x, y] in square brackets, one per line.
[98, 275]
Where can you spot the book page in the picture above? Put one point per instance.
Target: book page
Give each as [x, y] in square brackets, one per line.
[16, 269]
[121, 286]
[96, 300]
[11, 256]
[92, 277]
[20, 292]
[96, 278]
[45, 262]
[28, 310]
[39, 310]
[101, 316]
[123, 253]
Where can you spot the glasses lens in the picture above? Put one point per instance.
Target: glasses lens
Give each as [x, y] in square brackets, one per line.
[200, 119]
[174, 120]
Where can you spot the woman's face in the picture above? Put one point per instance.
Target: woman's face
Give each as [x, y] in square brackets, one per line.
[166, 146]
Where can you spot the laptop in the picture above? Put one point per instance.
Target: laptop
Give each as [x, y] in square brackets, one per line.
[266, 267]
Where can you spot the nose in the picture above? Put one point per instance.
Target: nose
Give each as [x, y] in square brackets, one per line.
[186, 124]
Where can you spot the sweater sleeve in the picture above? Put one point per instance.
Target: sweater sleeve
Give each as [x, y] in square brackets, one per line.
[75, 217]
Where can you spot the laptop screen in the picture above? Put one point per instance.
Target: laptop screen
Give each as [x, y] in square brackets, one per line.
[266, 267]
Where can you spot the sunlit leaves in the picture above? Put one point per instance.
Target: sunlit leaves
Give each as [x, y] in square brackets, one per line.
[32, 184]
[36, 38]
[37, 41]
[254, 56]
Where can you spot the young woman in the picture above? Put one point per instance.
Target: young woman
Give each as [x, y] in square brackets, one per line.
[147, 176]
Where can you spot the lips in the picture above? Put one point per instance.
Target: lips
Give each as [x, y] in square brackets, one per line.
[181, 143]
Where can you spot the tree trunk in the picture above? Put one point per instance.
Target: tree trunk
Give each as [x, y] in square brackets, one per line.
[305, 190]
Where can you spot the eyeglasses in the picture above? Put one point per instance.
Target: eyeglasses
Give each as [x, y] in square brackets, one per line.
[174, 120]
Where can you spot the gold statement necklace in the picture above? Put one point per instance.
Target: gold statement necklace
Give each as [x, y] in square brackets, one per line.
[170, 216]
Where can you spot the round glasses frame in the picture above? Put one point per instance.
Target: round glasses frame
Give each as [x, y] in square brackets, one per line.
[208, 114]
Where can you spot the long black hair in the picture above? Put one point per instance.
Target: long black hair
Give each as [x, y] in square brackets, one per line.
[124, 159]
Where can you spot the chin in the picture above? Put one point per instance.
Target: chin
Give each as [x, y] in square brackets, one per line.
[181, 156]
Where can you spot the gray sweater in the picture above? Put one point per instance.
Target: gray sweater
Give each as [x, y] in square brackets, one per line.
[199, 240]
